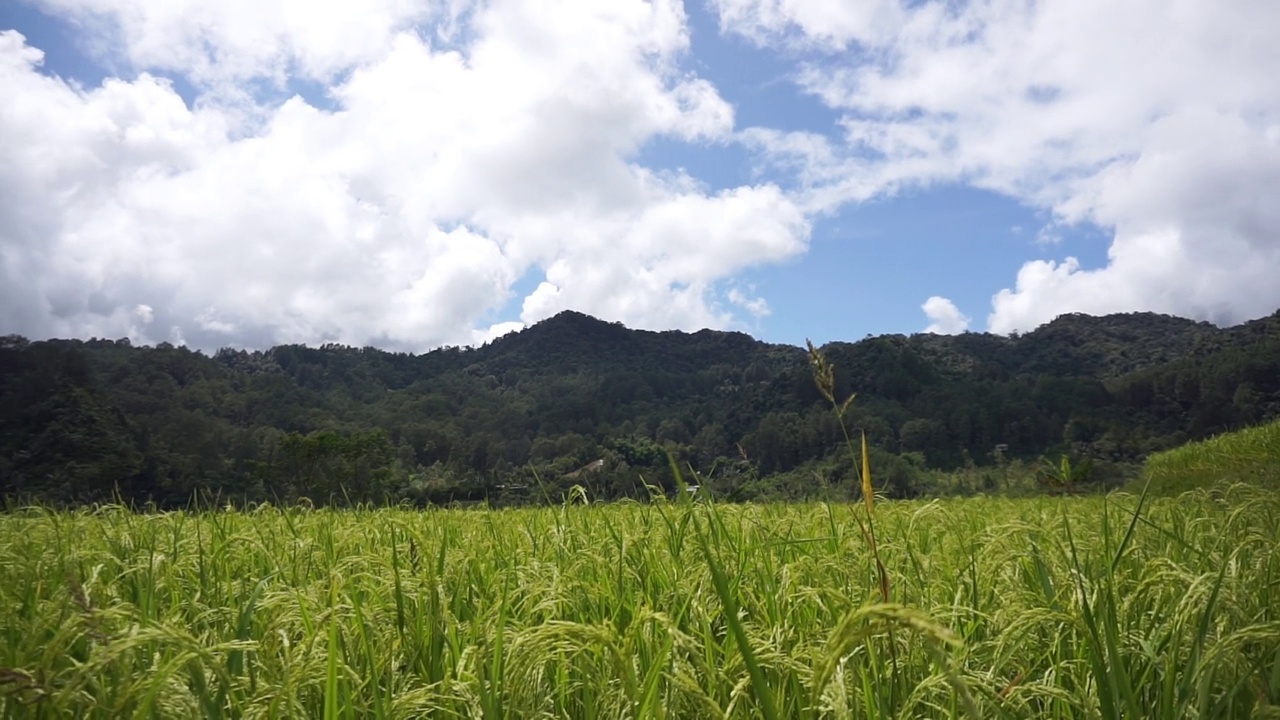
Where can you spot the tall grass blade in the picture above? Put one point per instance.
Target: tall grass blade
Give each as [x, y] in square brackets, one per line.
[867, 495]
[759, 683]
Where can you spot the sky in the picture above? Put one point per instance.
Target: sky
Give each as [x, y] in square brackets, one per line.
[408, 174]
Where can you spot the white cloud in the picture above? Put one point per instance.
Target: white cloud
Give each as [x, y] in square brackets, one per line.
[495, 331]
[470, 144]
[1158, 121]
[830, 24]
[219, 42]
[670, 253]
[757, 306]
[944, 317]
[399, 218]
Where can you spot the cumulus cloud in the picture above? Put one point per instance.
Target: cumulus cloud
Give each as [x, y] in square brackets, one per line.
[466, 147]
[1157, 121]
[944, 317]
[450, 149]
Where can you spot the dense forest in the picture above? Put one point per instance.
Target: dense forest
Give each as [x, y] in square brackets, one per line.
[577, 401]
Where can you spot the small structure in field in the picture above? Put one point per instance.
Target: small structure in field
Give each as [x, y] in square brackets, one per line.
[594, 466]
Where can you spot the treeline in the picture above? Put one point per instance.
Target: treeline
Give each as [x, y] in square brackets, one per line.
[577, 401]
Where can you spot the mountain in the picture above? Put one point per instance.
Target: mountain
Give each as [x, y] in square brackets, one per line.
[86, 420]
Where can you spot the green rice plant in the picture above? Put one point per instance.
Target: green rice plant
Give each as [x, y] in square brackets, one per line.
[1251, 455]
[1068, 607]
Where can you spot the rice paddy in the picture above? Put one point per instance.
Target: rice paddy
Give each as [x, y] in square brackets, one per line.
[1251, 455]
[1068, 607]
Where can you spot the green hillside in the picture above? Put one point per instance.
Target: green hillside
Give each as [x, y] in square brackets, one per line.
[510, 421]
[1250, 456]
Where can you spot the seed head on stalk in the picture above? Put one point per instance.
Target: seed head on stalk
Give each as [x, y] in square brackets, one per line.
[824, 377]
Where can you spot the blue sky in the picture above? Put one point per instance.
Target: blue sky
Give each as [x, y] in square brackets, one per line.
[408, 176]
[869, 266]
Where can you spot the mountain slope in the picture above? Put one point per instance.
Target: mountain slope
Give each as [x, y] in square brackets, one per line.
[165, 422]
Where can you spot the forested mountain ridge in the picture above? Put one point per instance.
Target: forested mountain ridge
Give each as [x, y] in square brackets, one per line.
[83, 420]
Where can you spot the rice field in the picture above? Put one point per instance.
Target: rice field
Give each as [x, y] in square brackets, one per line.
[1098, 607]
[1251, 455]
